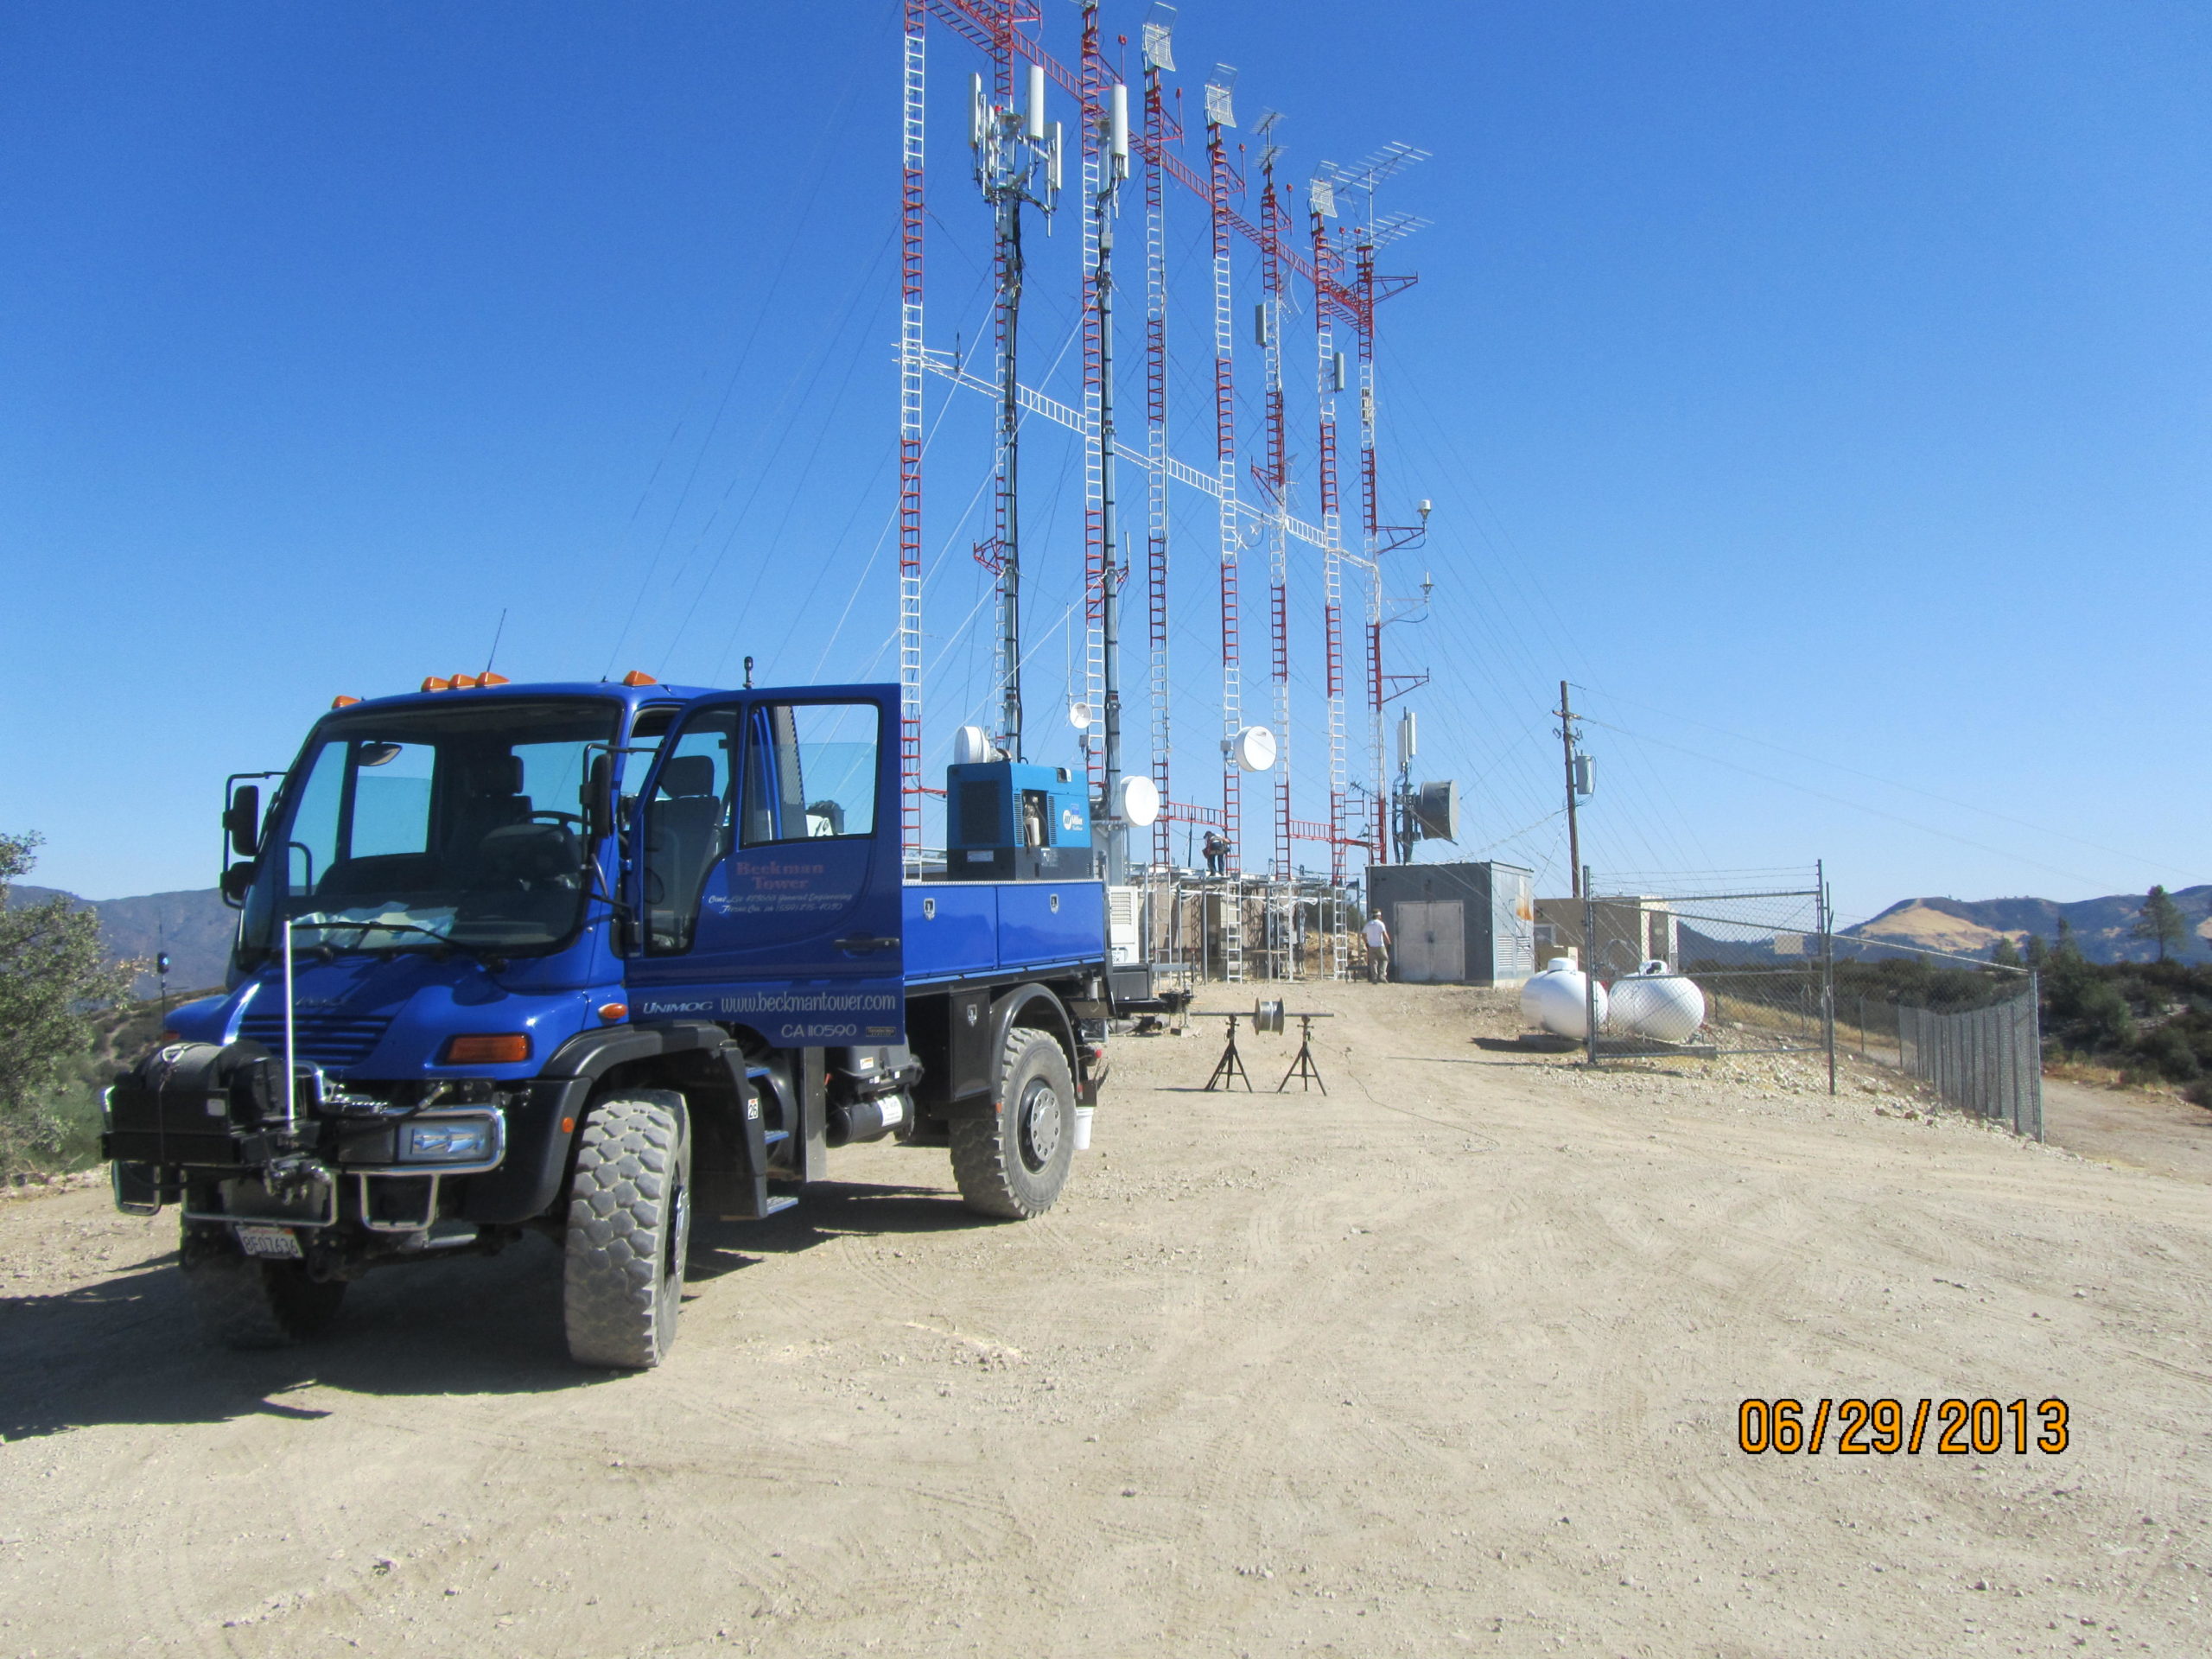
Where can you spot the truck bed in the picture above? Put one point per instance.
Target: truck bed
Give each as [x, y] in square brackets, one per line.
[965, 930]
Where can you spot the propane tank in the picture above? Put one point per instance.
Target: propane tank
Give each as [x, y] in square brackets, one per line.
[1561, 999]
[1656, 1002]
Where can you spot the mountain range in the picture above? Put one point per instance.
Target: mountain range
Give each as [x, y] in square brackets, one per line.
[2103, 929]
[195, 928]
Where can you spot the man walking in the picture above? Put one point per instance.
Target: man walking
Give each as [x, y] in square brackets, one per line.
[1377, 935]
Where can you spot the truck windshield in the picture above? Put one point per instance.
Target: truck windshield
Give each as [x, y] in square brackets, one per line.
[461, 824]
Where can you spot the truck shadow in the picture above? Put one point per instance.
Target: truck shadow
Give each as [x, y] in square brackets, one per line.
[831, 1210]
[125, 1348]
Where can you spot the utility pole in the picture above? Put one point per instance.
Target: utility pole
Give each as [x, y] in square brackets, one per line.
[1566, 714]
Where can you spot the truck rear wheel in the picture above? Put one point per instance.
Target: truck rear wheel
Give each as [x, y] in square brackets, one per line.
[244, 1303]
[629, 1225]
[1012, 1162]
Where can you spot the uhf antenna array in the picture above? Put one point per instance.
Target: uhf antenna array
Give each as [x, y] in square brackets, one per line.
[1020, 165]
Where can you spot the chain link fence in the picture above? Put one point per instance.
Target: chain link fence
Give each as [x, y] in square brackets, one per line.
[1765, 957]
[1986, 1060]
[1757, 948]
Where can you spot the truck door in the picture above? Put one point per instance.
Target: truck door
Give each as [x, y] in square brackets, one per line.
[765, 867]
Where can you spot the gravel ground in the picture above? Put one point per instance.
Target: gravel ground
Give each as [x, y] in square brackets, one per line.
[1446, 1360]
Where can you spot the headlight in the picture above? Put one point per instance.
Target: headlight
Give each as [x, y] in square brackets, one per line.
[458, 1141]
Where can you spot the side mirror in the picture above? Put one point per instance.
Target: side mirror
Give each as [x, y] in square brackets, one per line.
[597, 798]
[242, 820]
[237, 880]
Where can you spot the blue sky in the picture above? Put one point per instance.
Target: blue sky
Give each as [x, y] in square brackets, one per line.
[1825, 391]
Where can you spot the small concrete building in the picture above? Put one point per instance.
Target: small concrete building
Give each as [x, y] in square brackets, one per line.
[1456, 924]
[1631, 930]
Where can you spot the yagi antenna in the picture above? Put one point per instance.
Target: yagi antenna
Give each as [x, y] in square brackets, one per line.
[1269, 150]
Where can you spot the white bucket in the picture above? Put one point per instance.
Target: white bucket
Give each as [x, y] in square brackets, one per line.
[1083, 1114]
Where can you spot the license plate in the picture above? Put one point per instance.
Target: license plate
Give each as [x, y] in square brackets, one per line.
[277, 1242]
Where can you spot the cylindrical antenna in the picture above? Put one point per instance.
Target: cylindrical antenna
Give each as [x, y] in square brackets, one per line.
[975, 112]
[1260, 324]
[1036, 103]
[1117, 128]
[1052, 167]
[1337, 371]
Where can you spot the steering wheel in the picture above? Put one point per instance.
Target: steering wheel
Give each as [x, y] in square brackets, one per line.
[575, 818]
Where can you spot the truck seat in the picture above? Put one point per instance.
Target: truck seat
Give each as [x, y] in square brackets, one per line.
[684, 837]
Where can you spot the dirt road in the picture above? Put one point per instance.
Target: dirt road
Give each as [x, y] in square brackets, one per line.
[1447, 1361]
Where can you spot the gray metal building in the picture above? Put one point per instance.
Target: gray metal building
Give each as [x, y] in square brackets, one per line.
[1456, 924]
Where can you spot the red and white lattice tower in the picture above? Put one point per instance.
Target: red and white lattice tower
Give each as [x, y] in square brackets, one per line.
[1274, 486]
[1222, 183]
[1159, 59]
[1327, 382]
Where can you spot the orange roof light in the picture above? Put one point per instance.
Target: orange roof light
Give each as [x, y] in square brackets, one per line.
[639, 677]
[341, 700]
[487, 677]
[433, 683]
[500, 1048]
[464, 681]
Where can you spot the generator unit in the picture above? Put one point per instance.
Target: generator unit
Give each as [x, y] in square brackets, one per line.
[1008, 820]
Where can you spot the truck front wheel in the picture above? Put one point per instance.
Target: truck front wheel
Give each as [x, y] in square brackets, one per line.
[1012, 1162]
[242, 1302]
[629, 1225]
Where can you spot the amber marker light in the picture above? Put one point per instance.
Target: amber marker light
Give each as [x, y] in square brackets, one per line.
[341, 700]
[433, 683]
[611, 1012]
[489, 678]
[464, 681]
[639, 677]
[487, 1048]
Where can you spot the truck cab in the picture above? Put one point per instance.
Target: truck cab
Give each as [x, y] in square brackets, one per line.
[579, 959]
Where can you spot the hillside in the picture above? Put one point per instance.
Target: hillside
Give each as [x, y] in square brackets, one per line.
[194, 927]
[2102, 927]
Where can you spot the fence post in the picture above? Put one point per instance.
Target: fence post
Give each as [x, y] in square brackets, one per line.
[1589, 969]
[1828, 968]
[2035, 1031]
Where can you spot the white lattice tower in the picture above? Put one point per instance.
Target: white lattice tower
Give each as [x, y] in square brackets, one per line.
[913, 218]
[1220, 182]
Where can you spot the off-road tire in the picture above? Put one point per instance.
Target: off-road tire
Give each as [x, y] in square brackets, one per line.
[1012, 1162]
[242, 1301]
[629, 1225]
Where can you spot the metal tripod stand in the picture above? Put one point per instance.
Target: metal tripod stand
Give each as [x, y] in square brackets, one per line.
[1303, 1067]
[1230, 1066]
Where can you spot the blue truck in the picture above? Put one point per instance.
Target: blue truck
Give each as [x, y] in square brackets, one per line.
[584, 959]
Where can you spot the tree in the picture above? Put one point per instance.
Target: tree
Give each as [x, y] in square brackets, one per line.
[2038, 953]
[2065, 948]
[52, 973]
[2004, 953]
[2160, 922]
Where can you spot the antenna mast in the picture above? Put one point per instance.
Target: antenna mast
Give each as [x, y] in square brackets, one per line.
[1017, 162]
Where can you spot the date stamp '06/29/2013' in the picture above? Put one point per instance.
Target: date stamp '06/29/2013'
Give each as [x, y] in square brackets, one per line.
[1884, 1427]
